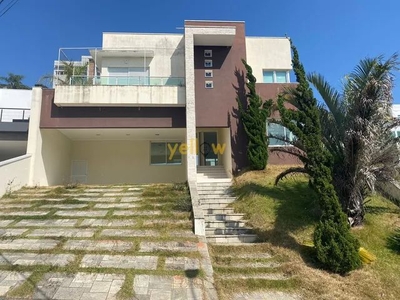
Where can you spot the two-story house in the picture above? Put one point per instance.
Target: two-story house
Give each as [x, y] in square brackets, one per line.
[158, 108]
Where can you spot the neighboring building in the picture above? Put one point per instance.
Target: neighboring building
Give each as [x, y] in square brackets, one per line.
[154, 94]
[14, 120]
[396, 114]
[59, 71]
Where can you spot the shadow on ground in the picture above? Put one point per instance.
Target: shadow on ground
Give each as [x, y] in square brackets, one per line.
[295, 207]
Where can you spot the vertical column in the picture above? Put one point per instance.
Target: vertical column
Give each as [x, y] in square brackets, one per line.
[190, 106]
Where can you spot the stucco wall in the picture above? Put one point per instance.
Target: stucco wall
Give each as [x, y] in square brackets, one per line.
[119, 95]
[224, 138]
[111, 162]
[15, 99]
[168, 60]
[51, 159]
[268, 54]
[14, 173]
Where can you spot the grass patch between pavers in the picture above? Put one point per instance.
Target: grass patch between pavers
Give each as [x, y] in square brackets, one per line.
[27, 289]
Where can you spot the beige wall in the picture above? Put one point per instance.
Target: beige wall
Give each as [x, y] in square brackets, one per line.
[112, 162]
[265, 53]
[14, 173]
[119, 95]
[51, 164]
[224, 137]
[168, 60]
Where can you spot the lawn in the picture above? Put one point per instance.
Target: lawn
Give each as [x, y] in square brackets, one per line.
[284, 217]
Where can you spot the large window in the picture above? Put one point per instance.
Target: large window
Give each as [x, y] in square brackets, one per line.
[128, 76]
[280, 132]
[273, 76]
[165, 153]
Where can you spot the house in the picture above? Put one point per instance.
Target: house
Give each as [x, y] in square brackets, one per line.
[14, 119]
[155, 107]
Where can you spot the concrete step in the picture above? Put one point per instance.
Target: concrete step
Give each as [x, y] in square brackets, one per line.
[228, 231]
[214, 205]
[224, 217]
[215, 184]
[216, 211]
[232, 239]
[214, 180]
[225, 224]
[216, 198]
[216, 192]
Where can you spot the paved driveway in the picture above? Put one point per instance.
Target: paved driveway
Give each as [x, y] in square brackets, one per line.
[103, 242]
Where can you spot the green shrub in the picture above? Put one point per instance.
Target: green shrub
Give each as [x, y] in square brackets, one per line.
[336, 248]
[394, 241]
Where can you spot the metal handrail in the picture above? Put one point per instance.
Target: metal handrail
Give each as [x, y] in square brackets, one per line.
[126, 80]
[4, 117]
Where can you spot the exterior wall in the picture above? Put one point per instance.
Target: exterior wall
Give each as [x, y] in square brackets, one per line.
[168, 60]
[51, 165]
[268, 54]
[217, 107]
[14, 173]
[119, 96]
[53, 116]
[111, 162]
[15, 98]
[224, 138]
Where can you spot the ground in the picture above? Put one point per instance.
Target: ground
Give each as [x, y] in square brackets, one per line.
[104, 242]
[284, 217]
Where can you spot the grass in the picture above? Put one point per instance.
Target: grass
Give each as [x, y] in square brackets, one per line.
[284, 217]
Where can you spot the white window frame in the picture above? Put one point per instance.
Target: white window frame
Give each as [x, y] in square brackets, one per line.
[166, 153]
[209, 82]
[274, 75]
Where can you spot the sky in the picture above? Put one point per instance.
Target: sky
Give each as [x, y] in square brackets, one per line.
[331, 36]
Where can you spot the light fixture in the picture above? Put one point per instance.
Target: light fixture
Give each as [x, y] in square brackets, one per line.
[157, 134]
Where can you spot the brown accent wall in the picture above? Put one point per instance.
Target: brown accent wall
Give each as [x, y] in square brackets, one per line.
[217, 107]
[53, 116]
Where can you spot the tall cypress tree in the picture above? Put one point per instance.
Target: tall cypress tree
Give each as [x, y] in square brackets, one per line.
[254, 118]
[336, 248]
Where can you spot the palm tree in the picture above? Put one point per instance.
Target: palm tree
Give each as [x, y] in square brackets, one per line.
[357, 131]
[13, 81]
[73, 74]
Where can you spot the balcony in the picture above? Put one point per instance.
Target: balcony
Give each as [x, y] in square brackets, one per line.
[121, 91]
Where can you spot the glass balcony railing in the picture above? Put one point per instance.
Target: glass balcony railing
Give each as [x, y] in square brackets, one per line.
[126, 80]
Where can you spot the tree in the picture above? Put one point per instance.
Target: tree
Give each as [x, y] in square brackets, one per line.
[13, 81]
[254, 118]
[357, 131]
[336, 248]
[73, 74]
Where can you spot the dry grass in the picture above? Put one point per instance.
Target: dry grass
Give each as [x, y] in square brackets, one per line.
[285, 216]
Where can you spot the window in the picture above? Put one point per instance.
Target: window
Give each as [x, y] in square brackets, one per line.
[208, 63]
[128, 76]
[268, 76]
[161, 154]
[209, 85]
[276, 76]
[208, 73]
[281, 132]
[207, 53]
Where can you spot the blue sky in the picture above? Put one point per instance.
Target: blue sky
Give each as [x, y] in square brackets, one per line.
[331, 36]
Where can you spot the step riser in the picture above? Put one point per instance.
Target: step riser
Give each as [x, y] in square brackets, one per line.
[226, 225]
[205, 206]
[228, 231]
[232, 239]
[223, 218]
[217, 199]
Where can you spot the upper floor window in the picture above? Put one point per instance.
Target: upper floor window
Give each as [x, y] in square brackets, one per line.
[275, 76]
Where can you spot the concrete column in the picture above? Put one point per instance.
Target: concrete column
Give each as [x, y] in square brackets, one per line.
[34, 146]
[190, 106]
